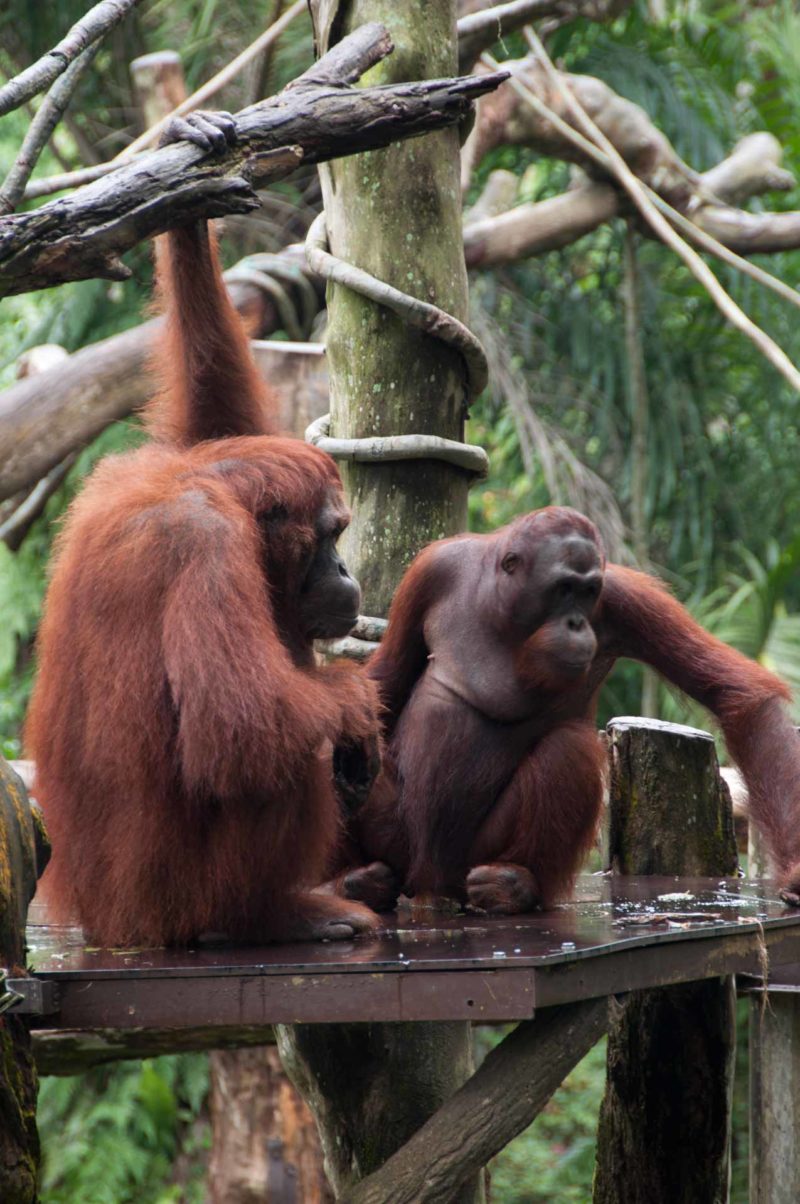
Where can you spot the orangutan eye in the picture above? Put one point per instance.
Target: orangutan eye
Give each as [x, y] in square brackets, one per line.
[509, 562]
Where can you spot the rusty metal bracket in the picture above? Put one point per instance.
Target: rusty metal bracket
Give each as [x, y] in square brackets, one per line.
[8, 997]
[28, 996]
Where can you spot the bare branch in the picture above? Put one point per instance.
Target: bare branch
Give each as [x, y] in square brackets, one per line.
[99, 21]
[87, 175]
[481, 29]
[533, 229]
[502, 118]
[753, 167]
[498, 196]
[14, 528]
[750, 233]
[217, 82]
[48, 115]
[66, 405]
[83, 235]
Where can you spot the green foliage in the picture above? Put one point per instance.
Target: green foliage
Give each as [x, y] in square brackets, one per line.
[111, 1136]
[718, 412]
[21, 591]
[552, 1162]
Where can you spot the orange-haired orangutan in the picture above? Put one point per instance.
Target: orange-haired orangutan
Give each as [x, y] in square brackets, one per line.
[179, 722]
[495, 652]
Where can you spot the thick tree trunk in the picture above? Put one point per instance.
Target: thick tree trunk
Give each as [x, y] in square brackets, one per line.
[371, 1087]
[664, 1132]
[266, 1146]
[19, 1141]
[503, 1096]
[395, 213]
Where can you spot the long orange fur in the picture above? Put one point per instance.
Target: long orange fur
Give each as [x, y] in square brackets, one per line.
[179, 722]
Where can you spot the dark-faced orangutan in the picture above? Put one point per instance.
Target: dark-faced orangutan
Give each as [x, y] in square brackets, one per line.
[489, 673]
[181, 728]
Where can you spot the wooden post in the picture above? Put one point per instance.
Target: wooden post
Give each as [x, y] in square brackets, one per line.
[775, 1098]
[159, 84]
[397, 214]
[19, 1141]
[774, 1079]
[664, 1132]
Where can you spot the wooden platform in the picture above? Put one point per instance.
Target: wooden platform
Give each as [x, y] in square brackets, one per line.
[619, 934]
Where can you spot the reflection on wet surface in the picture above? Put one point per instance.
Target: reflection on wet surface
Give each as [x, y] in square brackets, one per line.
[607, 914]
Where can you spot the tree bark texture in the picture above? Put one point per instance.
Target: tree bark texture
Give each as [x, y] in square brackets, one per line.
[501, 1099]
[316, 118]
[265, 1145]
[664, 1131]
[371, 1087]
[669, 811]
[19, 1140]
[396, 213]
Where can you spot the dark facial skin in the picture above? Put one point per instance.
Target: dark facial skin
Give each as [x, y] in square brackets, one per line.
[509, 651]
[329, 598]
[558, 576]
[559, 584]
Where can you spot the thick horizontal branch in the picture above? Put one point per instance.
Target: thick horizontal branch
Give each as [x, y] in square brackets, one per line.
[534, 228]
[44, 417]
[705, 199]
[498, 1102]
[752, 168]
[479, 30]
[504, 117]
[62, 1051]
[537, 227]
[750, 233]
[82, 235]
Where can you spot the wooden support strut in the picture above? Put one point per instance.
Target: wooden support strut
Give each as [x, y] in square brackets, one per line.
[500, 1099]
[774, 1096]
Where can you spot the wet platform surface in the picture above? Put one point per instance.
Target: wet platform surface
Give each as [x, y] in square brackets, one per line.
[619, 934]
